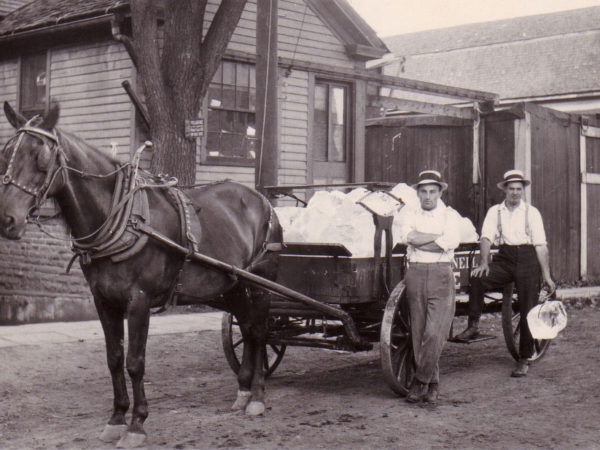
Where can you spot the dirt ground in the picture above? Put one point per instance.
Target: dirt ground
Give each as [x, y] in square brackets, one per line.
[60, 396]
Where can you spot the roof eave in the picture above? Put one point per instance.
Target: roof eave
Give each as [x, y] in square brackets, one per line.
[46, 31]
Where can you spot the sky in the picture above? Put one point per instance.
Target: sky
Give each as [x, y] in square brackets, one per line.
[391, 17]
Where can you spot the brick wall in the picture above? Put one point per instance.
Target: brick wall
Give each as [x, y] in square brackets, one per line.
[33, 284]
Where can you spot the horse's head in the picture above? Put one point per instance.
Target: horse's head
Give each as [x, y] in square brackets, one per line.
[29, 164]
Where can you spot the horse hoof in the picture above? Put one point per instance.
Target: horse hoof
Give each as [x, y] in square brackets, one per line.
[242, 400]
[255, 408]
[112, 433]
[132, 440]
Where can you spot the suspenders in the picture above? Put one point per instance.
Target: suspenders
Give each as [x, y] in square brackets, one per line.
[527, 227]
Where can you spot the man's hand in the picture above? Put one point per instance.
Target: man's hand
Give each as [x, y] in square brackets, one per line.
[549, 283]
[483, 269]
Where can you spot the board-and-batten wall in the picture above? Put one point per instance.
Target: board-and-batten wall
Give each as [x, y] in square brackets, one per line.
[302, 37]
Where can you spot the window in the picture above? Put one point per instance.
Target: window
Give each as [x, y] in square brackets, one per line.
[231, 126]
[330, 132]
[33, 84]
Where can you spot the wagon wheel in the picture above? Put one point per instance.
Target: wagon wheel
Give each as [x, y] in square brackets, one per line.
[397, 361]
[511, 327]
[233, 346]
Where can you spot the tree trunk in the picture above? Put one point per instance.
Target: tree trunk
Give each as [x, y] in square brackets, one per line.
[175, 78]
[176, 155]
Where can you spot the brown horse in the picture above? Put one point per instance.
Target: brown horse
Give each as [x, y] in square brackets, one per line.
[236, 225]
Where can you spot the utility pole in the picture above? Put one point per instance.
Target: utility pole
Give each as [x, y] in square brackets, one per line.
[267, 131]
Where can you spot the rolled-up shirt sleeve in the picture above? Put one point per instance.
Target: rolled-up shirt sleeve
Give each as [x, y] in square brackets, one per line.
[406, 217]
[538, 235]
[450, 238]
[489, 230]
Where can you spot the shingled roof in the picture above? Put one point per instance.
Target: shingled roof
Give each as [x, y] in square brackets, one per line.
[532, 56]
[7, 6]
[42, 13]
[359, 37]
[495, 32]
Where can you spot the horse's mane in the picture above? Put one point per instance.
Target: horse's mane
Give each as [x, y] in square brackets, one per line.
[79, 148]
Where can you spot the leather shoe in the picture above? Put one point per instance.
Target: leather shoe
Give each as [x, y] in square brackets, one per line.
[521, 369]
[471, 332]
[432, 393]
[415, 393]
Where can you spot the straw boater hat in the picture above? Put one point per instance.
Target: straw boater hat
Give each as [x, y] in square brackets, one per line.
[513, 175]
[430, 177]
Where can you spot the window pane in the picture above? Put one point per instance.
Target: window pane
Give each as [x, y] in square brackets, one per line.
[336, 151]
[214, 96]
[338, 95]
[241, 123]
[252, 102]
[227, 118]
[320, 123]
[242, 98]
[212, 122]
[338, 120]
[213, 143]
[33, 81]
[228, 72]
[228, 100]
[242, 73]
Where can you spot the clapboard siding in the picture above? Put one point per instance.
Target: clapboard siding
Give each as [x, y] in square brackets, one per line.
[87, 80]
[294, 127]
[302, 34]
[8, 92]
[209, 174]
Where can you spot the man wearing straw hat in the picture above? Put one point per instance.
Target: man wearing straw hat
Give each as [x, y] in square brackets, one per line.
[517, 228]
[432, 232]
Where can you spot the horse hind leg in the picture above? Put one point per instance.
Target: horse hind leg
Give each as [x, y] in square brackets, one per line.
[238, 301]
[138, 320]
[260, 302]
[251, 310]
[112, 325]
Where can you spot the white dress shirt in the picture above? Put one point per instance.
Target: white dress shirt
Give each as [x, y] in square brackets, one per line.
[514, 225]
[441, 220]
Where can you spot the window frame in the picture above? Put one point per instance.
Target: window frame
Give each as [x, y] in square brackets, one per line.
[206, 158]
[348, 92]
[23, 87]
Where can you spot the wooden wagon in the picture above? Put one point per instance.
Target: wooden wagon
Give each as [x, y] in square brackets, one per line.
[327, 298]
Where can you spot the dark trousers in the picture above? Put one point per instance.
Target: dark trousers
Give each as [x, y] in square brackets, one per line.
[431, 299]
[513, 263]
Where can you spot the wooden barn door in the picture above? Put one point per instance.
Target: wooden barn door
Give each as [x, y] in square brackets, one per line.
[590, 199]
[447, 149]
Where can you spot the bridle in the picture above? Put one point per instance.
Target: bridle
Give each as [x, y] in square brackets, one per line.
[58, 161]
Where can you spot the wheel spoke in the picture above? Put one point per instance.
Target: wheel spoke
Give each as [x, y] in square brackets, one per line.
[238, 342]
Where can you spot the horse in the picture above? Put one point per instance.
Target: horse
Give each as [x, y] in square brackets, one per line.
[233, 224]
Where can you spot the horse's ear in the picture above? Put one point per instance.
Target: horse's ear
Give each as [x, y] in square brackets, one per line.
[51, 116]
[44, 158]
[14, 118]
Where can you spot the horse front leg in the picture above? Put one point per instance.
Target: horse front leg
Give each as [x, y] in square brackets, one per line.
[112, 324]
[138, 319]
